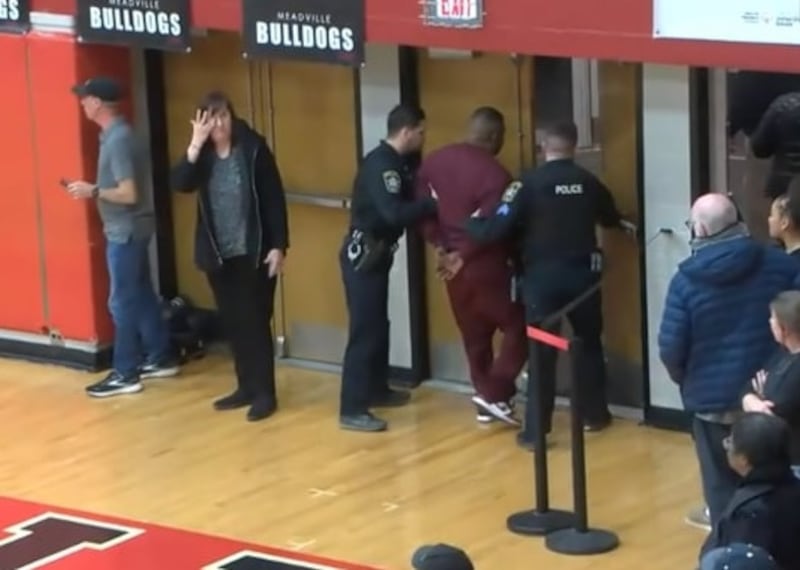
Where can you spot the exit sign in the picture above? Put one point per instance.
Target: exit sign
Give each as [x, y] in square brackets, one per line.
[453, 13]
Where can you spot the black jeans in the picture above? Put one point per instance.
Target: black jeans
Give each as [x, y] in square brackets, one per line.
[549, 287]
[245, 298]
[365, 371]
[719, 480]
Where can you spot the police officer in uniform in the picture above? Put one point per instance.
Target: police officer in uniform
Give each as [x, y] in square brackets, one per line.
[556, 209]
[382, 208]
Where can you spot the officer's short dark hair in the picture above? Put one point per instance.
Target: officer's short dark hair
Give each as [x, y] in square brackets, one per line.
[488, 114]
[566, 131]
[762, 439]
[404, 116]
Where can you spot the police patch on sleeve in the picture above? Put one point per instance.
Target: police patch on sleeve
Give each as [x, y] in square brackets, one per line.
[511, 191]
[392, 181]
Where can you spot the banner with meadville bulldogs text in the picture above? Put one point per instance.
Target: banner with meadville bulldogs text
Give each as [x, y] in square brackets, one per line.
[313, 30]
[15, 16]
[147, 24]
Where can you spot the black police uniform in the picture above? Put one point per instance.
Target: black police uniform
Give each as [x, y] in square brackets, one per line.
[381, 210]
[555, 208]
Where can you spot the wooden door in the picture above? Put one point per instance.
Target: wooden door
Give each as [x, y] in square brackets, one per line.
[313, 129]
[450, 90]
[307, 113]
[622, 287]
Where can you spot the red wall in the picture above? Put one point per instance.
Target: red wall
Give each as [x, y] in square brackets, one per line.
[21, 306]
[607, 29]
[52, 246]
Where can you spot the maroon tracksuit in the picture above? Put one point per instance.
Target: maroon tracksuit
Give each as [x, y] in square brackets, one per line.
[465, 178]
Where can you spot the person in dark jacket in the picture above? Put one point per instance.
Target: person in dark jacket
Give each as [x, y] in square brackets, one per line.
[241, 239]
[714, 334]
[763, 511]
[750, 94]
[479, 278]
[776, 388]
[778, 135]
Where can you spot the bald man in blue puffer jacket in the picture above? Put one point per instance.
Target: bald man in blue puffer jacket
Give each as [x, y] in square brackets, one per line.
[715, 334]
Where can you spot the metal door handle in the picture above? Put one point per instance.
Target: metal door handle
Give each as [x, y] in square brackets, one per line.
[320, 200]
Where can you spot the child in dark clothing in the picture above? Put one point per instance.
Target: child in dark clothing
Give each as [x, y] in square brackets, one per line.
[776, 389]
[763, 510]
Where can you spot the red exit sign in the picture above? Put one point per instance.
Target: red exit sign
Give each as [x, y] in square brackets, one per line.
[457, 9]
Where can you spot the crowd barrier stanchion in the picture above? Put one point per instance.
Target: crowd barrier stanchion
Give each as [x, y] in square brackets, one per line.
[579, 539]
[566, 532]
[542, 519]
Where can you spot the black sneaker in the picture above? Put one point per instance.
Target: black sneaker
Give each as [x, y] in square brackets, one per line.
[362, 422]
[237, 399]
[158, 370]
[115, 384]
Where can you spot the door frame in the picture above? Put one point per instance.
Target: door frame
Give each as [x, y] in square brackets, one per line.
[159, 157]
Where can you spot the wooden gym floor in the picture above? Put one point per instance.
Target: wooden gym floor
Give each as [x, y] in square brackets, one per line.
[296, 481]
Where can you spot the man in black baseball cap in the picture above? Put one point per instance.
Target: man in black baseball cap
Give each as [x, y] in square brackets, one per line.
[104, 88]
[122, 195]
[441, 557]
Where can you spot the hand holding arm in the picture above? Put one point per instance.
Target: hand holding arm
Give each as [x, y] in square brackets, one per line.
[385, 187]
[429, 227]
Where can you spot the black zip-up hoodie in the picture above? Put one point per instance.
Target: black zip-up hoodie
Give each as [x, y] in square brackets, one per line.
[267, 225]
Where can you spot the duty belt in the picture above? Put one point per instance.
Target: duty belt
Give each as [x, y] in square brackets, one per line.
[357, 235]
[365, 252]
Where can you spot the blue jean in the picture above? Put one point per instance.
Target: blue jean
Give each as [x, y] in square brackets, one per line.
[718, 479]
[140, 331]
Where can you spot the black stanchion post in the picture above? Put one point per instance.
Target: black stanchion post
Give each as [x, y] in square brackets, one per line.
[580, 539]
[542, 520]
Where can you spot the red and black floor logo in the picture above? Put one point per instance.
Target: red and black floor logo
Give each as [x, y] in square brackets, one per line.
[37, 536]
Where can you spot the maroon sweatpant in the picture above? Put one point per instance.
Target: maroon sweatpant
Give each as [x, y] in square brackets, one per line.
[480, 297]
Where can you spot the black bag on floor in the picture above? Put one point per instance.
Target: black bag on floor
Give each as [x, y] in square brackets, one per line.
[188, 329]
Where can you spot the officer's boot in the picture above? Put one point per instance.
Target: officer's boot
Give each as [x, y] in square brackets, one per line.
[362, 422]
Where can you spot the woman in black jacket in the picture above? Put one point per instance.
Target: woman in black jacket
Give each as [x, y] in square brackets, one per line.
[240, 241]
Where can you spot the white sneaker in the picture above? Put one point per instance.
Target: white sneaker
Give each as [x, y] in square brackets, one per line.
[499, 410]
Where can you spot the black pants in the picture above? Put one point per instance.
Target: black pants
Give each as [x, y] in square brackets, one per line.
[719, 480]
[548, 288]
[245, 299]
[365, 373]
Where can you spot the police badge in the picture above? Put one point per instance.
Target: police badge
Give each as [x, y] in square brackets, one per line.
[392, 181]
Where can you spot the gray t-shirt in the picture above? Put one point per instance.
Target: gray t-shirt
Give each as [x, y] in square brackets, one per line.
[228, 195]
[122, 157]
